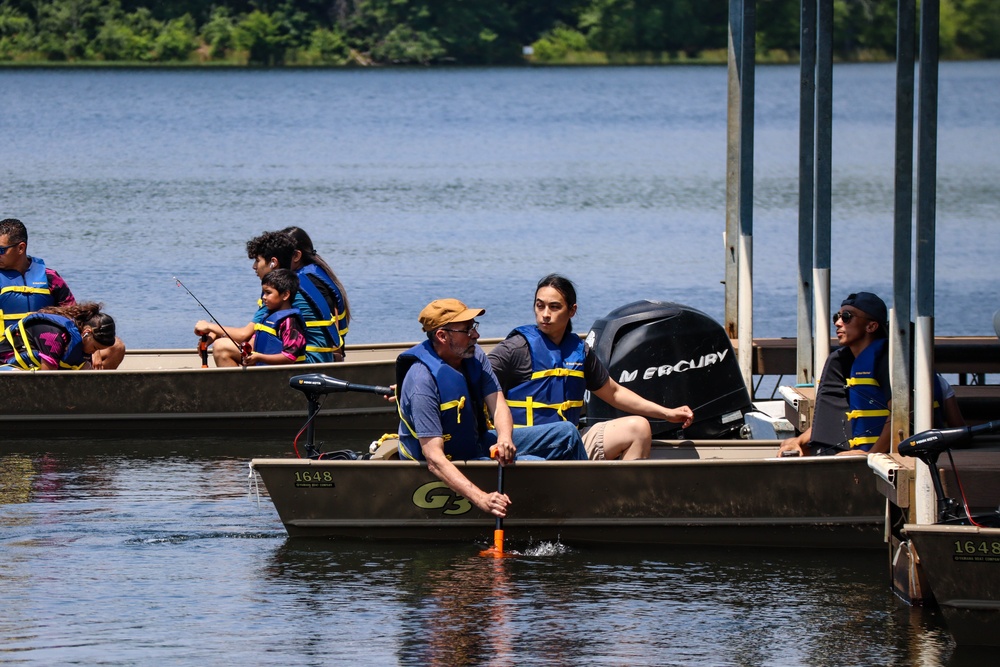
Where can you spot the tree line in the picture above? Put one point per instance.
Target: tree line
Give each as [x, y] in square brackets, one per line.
[464, 32]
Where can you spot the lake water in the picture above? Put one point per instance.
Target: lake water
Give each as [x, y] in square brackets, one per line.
[122, 553]
[418, 184]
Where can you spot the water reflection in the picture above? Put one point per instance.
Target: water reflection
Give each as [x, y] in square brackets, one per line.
[150, 549]
[447, 605]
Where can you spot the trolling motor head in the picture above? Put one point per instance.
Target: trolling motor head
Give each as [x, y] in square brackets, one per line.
[927, 445]
[317, 384]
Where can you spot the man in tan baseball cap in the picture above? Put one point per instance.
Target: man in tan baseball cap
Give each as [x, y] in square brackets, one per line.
[448, 397]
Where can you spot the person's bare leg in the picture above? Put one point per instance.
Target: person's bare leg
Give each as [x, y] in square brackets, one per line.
[627, 437]
[225, 353]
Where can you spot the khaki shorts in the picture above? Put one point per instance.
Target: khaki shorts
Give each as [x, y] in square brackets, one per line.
[593, 441]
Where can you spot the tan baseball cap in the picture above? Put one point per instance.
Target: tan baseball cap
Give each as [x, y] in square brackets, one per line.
[444, 311]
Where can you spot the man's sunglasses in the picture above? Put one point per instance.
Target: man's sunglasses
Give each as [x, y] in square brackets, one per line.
[844, 315]
[5, 248]
[467, 332]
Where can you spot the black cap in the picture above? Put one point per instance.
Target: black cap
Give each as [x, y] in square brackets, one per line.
[870, 305]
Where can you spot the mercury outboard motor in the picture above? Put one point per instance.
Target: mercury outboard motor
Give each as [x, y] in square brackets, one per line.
[672, 355]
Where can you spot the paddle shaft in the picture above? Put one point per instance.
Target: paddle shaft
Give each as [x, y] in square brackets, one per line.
[498, 530]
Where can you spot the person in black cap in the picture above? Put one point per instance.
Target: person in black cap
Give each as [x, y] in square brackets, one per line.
[853, 398]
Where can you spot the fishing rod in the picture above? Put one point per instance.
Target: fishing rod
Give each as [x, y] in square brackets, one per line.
[244, 348]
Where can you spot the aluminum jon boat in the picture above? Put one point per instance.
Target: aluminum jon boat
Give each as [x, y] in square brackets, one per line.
[731, 493]
[167, 392]
[959, 555]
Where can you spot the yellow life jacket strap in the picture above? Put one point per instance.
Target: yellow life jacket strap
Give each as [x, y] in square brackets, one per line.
[557, 372]
[853, 382]
[858, 414]
[864, 440]
[458, 405]
[19, 356]
[530, 405]
[260, 326]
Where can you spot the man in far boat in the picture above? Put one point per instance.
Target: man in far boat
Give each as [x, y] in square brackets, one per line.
[853, 399]
[446, 391]
[544, 369]
[269, 251]
[27, 286]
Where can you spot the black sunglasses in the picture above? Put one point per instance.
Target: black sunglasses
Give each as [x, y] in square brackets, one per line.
[844, 315]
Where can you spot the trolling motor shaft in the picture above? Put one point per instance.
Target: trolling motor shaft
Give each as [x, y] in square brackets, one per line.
[314, 385]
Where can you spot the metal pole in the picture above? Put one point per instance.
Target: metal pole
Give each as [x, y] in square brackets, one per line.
[923, 376]
[902, 264]
[824, 171]
[733, 169]
[804, 373]
[745, 297]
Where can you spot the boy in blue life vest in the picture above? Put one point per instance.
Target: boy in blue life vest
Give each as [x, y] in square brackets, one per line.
[853, 398]
[280, 338]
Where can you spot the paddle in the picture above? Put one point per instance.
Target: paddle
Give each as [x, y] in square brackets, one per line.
[496, 551]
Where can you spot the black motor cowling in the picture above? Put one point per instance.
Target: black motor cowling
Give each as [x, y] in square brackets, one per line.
[672, 355]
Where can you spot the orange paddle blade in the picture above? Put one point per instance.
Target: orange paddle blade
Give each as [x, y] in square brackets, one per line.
[496, 551]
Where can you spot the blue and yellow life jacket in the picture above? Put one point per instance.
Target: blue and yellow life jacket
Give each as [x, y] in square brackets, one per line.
[18, 337]
[462, 408]
[22, 295]
[865, 398]
[266, 339]
[315, 338]
[328, 305]
[555, 391]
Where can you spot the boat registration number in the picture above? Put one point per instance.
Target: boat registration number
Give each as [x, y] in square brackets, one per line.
[986, 551]
[320, 479]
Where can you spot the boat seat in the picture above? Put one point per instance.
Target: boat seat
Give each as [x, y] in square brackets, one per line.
[388, 450]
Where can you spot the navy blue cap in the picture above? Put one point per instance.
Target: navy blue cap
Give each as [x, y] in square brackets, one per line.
[870, 305]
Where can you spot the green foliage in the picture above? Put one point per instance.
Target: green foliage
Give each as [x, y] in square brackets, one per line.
[218, 33]
[404, 45]
[262, 37]
[559, 43]
[130, 38]
[977, 27]
[177, 40]
[16, 33]
[326, 47]
[336, 32]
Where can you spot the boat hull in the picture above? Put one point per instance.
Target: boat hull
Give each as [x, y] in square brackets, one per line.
[962, 567]
[167, 393]
[731, 496]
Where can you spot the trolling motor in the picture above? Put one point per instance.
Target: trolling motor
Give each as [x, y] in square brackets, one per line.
[928, 445]
[315, 385]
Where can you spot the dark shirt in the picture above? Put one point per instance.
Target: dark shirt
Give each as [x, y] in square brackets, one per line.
[830, 427]
[48, 342]
[511, 362]
[61, 294]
